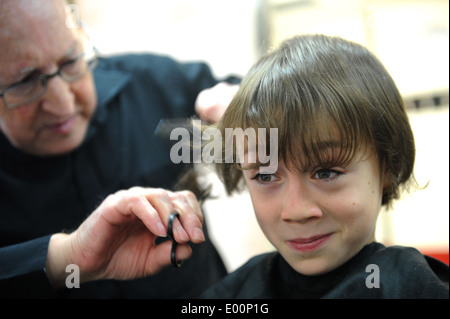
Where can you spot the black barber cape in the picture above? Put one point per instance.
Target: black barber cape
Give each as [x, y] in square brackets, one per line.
[375, 272]
[42, 196]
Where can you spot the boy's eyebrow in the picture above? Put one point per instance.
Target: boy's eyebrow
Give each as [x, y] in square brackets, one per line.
[251, 166]
[328, 144]
[319, 146]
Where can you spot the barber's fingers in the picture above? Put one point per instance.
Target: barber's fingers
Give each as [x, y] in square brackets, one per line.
[124, 205]
[190, 216]
[153, 207]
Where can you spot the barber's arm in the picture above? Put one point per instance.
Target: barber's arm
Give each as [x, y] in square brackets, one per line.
[117, 241]
[22, 270]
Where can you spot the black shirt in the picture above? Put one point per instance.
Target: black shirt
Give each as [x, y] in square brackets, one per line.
[402, 273]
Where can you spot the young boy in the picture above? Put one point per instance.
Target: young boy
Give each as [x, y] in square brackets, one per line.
[345, 148]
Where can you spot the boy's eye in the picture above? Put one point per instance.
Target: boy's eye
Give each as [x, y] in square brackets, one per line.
[326, 174]
[264, 177]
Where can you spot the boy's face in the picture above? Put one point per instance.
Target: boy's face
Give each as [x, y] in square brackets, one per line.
[322, 216]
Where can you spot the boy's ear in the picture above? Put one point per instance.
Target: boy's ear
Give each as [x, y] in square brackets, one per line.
[387, 179]
[387, 185]
[386, 176]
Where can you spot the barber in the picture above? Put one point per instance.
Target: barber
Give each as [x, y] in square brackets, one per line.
[83, 179]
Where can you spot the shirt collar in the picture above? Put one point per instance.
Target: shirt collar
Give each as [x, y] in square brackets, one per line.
[108, 82]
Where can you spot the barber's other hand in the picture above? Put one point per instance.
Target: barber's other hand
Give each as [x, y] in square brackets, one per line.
[118, 239]
[213, 102]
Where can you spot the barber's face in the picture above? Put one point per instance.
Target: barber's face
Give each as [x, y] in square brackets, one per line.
[36, 40]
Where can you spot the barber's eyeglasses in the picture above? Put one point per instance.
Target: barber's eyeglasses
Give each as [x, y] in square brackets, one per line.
[35, 85]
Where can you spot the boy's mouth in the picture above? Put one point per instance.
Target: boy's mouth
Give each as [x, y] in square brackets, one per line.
[309, 243]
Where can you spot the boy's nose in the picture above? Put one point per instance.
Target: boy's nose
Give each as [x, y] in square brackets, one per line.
[299, 205]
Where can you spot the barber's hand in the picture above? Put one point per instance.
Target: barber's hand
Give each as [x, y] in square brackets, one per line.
[118, 239]
[213, 102]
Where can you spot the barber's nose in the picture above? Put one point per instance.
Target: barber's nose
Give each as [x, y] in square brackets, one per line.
[58, 99]
[299, 204]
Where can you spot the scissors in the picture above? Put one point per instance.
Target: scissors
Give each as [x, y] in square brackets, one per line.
[173, 259]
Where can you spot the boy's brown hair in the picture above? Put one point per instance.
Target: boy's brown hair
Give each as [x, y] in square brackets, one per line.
[318, 89]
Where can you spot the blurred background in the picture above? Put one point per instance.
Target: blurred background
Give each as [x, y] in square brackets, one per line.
[411, 37]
